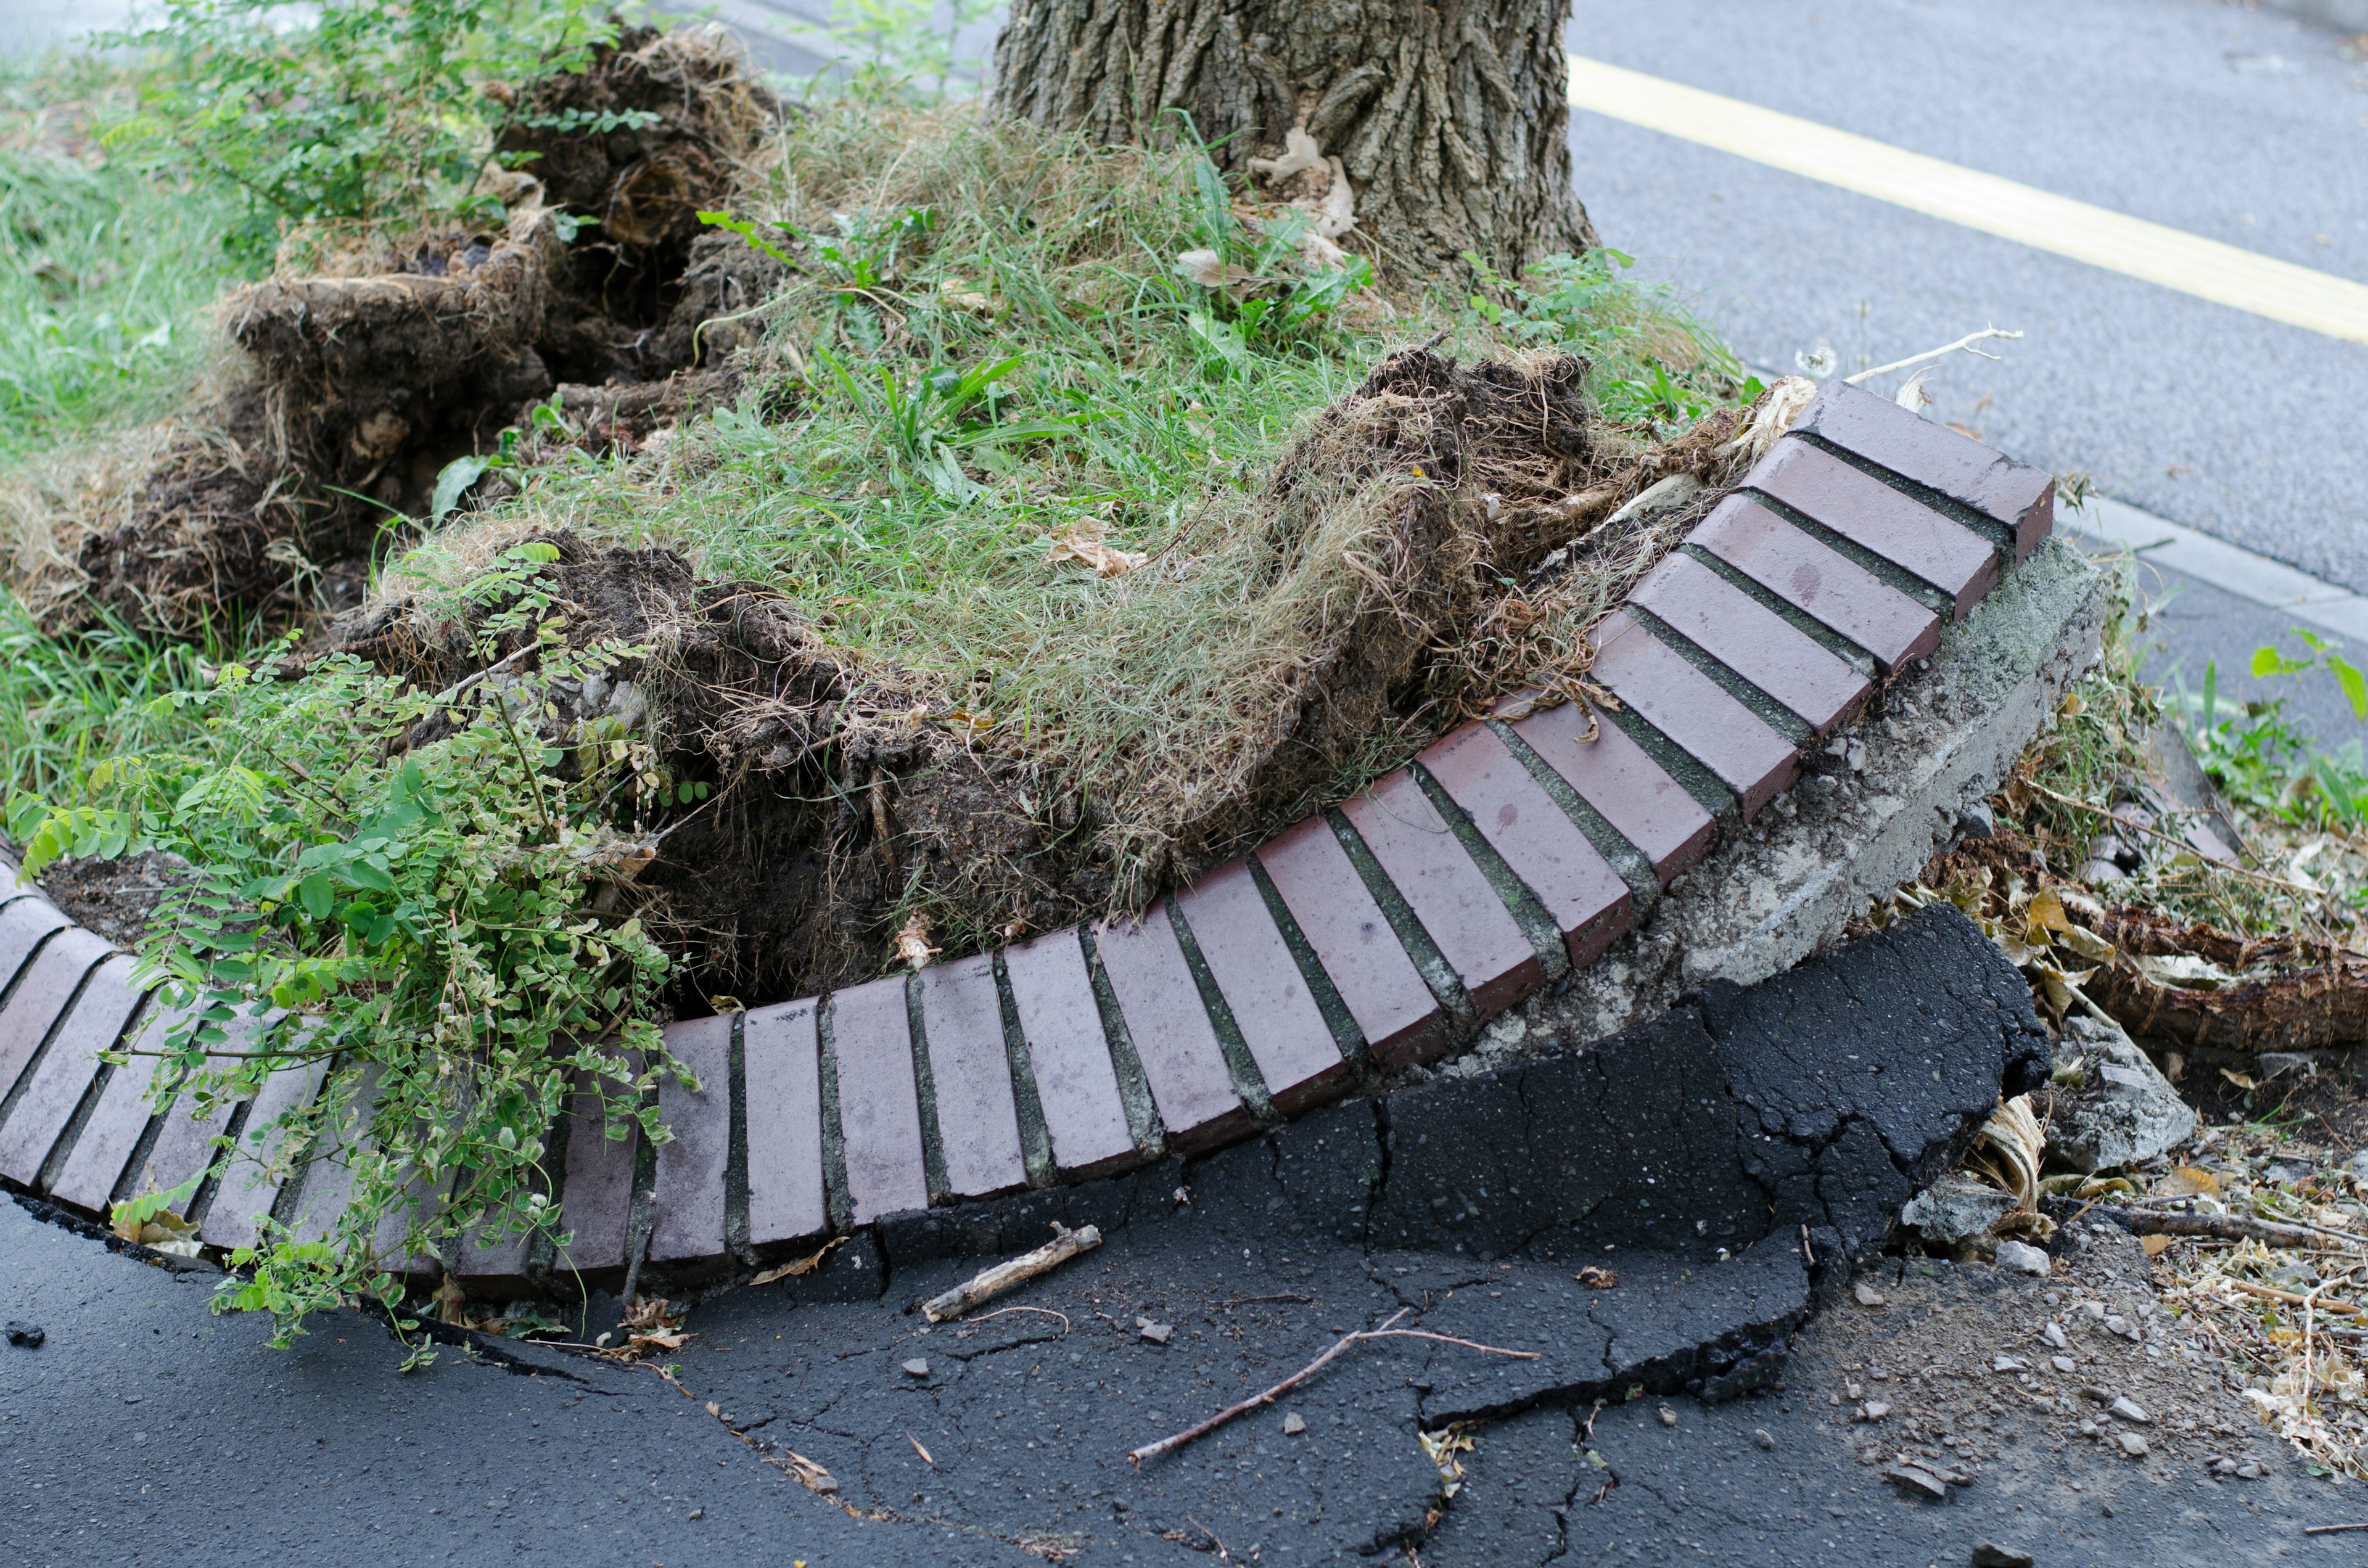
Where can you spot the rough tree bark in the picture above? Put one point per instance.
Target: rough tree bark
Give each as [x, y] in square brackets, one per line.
[1451, 116]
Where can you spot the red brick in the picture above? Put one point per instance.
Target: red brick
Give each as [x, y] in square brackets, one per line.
[248, 1183]
[1754, 641]
[1626, 787]
[1458, 909]
[1399, 1017]
[1830, 586]
[1173, 1038]
[67, 1069]
[2018, 496]
[1694, 712]
[595, 1198]
[689, 1192]
[1590, 901]
[1076, 1084]
[878, 1101]
[89, 1175]
[970, 1077]
[781, 1070]
[23, 924]
[1873, 515]
[1262, 987]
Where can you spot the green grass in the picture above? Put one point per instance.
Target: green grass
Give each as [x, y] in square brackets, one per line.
[994, 349]
[106, 272]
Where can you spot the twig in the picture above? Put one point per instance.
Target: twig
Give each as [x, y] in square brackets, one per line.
[2333, 1530]
[1245, 1301]
[989, 1283]
[2346, 1308]
[1966, 343]
[1046, 1311]
[1387, 1330]
[2238, 1227]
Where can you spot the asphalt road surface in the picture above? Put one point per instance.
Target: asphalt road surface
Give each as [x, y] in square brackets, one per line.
[2242, 126]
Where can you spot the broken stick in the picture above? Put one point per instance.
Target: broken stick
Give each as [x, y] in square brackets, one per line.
[989, 1283]
[1389, 1330]
[2232, 1227]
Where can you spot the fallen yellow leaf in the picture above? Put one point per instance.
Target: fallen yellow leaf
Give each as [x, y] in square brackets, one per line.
[2153, 1246]
[2185, 1179]
[801, 1266]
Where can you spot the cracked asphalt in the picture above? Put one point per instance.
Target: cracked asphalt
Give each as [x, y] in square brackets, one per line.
[1690, 1157]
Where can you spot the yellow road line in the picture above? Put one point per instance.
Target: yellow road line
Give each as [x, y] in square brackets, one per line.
[2115, 241]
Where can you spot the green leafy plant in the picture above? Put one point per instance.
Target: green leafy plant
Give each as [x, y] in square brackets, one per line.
[405, 890]
[363, 110]
[1654, 368]
[2257, 753]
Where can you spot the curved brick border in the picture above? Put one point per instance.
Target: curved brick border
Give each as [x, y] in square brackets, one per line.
[1356, 943]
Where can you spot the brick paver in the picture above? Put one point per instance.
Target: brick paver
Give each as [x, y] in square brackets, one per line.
[1754, 641]
[2020, 499]
[1694, 712]
[1076, 1082]
[596, 1197]
[1401, 1020]
[780, 1068]
[184, 1142]
[1611, 773]
[1459, 910]
[1889, 625]
[43, 989]
[67, 1069]
[879, 1101]
[249, 1184]
[23, 924]
[1589, 901]
[1263, 989]
[1173, 1037]
[1873, 515]
[689, 1191]
[88, 1176]
[970, 1074]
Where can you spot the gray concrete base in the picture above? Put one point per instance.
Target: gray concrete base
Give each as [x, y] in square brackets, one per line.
[1888, 794]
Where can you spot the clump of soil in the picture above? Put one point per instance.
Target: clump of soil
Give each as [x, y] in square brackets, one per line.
[834, 793]
[115, 898]
[399, 354]
[850, 797]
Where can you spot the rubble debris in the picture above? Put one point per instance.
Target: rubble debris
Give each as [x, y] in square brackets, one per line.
[2110, 1106]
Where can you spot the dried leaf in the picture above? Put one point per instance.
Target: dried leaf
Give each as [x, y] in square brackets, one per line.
[1210, 270]
[1083, 543]
[2087, 944]
[2045, 913]
[2186, 1179]
[2155, 1246]
[812, 1475]
[913, 941]
[920, 1451]
[801, 1266]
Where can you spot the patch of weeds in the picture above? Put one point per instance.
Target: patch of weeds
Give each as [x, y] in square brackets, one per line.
[105, 268]
[2297, 805]
[1655, 366]
[404, 889]
[356, 110]
[2254, 752]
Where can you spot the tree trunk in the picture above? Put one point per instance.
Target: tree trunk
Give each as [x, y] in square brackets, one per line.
[1451, 116]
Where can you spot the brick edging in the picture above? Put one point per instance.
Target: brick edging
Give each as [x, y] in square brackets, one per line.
[1354, 944]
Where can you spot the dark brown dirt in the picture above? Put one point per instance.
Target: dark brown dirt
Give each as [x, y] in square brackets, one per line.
[115, 898]
[833, 797]
[412, 351]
